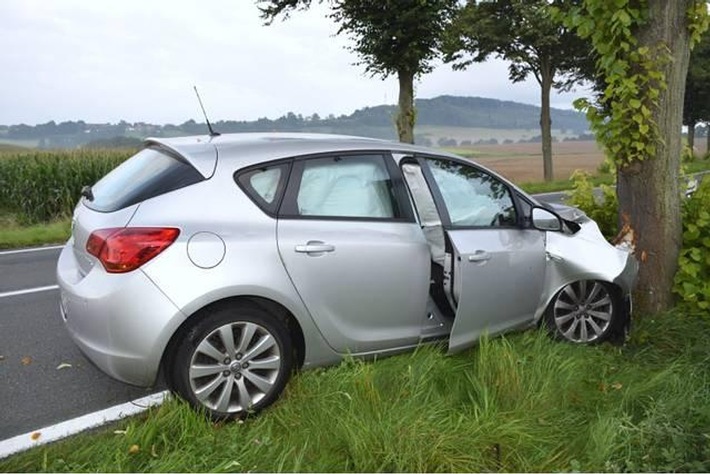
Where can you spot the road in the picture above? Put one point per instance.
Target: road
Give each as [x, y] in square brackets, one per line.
[45, 379]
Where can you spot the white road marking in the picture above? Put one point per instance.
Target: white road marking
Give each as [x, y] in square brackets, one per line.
[74, 426]
[33, 249]
[7, 294]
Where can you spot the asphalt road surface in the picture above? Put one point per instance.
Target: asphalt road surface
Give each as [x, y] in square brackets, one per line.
[44, 378]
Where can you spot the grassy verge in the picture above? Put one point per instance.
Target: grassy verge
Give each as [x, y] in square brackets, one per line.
[14, 235]
[519, 403]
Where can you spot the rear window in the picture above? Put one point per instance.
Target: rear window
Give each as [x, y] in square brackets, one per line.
[147, 174]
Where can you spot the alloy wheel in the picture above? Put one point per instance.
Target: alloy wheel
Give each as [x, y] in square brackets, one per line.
[234, 367]
[583, 311]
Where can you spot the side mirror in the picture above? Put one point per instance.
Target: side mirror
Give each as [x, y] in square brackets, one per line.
[542, 219]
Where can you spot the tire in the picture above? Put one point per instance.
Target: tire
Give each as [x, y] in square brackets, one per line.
[233, 361]
[585, 312]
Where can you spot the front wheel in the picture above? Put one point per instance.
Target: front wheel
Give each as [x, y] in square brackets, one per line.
[234, 360]
[585, 312]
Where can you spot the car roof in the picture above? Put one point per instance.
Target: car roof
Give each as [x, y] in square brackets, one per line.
[244, 149]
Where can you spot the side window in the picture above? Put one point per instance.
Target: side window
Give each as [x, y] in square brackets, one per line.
[263, 185]
[346, 187]
[473, 197]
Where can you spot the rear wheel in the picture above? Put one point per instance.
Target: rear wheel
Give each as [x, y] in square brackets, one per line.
[234, 360]
[585, 312]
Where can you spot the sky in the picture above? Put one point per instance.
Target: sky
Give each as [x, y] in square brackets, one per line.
[138, 60]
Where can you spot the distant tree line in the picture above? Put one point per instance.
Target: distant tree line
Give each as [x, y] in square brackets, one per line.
[377, 122]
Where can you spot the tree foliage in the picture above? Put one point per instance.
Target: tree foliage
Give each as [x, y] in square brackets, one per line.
[533, 40]
[391, 37]
[632, 78]
[523, 32]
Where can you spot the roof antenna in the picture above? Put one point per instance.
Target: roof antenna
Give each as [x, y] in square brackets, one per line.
[209, 125]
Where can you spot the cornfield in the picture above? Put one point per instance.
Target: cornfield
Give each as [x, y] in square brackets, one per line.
[38, 186]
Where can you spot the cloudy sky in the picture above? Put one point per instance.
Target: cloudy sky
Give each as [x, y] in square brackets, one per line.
[137, 60]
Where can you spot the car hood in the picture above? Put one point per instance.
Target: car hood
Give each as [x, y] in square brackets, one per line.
[569, 213]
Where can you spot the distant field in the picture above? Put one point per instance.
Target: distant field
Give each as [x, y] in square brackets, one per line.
[434, 133]
[522, 162]
[18, 143]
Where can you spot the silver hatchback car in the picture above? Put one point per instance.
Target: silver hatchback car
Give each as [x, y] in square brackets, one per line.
[227, 262]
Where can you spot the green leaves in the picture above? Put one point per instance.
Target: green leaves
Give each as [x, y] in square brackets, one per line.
[692, 281]
[623, 117]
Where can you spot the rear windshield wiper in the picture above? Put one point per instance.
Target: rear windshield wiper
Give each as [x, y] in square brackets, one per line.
[87, 193]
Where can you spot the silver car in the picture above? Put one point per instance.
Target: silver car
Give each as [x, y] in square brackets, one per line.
[228, 262]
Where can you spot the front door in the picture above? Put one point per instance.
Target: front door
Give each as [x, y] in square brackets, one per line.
[354, 252]
[497, 267]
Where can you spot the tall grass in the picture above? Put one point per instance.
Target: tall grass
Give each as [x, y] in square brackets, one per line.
[40, 186]
[518, 403]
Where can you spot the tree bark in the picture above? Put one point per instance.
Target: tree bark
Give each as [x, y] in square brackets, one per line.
[546, 77]
[691, 136]
[406, 115]
[648, 191]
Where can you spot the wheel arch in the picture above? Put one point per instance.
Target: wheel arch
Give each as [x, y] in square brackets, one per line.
[272, 307]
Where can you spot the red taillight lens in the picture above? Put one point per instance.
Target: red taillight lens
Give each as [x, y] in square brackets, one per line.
[124, 249]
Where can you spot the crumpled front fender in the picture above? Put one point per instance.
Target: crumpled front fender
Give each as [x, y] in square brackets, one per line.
[585, 255]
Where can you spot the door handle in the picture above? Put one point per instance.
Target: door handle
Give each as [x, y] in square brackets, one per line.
[314, 246]
[479, 256]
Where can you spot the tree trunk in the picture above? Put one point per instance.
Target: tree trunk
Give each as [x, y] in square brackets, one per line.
[545, 120]
[406, 115]
[648, 191]
[691, 137]
[707, 139]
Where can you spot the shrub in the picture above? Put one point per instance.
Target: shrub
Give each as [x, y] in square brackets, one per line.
[687, 154]
[692, 281]
[602, 208]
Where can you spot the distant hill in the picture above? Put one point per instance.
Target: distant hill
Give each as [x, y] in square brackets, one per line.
[441, 120]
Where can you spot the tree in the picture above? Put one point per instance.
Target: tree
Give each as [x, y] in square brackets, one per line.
[643, 49]
[392, 37]
[525, 33]
[696, 107]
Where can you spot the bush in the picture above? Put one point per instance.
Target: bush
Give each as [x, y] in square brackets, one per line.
[606, 167]
[692, 281]
[687, 155]
[39, 186]
[603, 209]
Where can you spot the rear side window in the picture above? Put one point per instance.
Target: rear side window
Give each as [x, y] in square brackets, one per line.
[147, 174]
[264, 185]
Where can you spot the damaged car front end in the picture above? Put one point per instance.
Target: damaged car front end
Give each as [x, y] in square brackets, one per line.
[586, 279]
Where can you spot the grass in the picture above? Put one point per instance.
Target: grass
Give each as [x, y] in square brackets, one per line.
[517, 403]
[14, 235]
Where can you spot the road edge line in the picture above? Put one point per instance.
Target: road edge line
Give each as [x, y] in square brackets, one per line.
[75, 426]
[28, 291]
[30, 249]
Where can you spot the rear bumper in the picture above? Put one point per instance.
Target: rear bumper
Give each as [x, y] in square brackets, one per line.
[121, 322]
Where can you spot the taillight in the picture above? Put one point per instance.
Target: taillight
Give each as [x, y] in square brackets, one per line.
[124, 249]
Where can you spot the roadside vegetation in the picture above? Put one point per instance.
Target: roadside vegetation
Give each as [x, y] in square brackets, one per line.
[39, 189]
[518, 403]
[39, 186]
